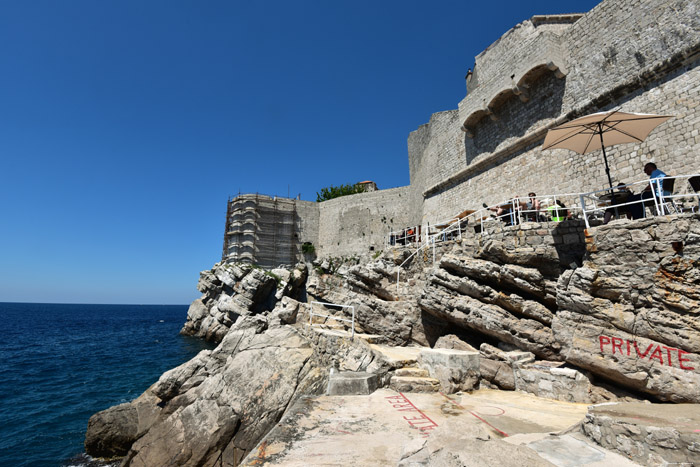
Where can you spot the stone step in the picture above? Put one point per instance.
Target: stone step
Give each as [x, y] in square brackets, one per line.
[412, 371]
[370, 338]
[414, 384]
[346, 383]
[398, 357]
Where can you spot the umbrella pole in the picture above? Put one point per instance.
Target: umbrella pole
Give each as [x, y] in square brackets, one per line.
[607, 168]
[605, 157]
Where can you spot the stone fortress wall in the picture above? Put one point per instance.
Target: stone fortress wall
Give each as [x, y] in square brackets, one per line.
[635, 55]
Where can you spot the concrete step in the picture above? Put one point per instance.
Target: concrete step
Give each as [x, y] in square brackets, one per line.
[412, 371]
[414, 384]
[346, 383]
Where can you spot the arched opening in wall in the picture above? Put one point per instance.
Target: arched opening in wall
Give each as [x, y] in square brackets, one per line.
[511, 116]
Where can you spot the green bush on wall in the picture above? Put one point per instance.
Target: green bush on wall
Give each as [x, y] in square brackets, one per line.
[337, 191]
[308, 248]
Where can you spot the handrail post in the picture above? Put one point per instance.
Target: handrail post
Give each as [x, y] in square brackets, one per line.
[583, 209]
[654, 195]
[352, 336]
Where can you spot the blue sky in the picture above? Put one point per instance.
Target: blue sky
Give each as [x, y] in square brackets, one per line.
[125, 125]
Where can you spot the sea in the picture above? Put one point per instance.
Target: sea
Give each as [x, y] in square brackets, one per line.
[60, 363]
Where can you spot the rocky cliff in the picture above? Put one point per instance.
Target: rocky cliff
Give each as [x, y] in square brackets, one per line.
[566, 313]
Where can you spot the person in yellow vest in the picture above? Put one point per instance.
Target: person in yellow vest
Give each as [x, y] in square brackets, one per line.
[558, 211]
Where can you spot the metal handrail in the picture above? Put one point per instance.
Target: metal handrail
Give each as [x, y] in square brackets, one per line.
[655, 187]
[352, 321]
[430, 242]
[587, 204]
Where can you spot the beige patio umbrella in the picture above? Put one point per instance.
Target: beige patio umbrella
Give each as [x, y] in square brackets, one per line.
[598, 130]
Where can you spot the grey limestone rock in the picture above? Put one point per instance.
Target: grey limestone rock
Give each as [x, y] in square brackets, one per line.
[650, 434]
[234, 290]
[111, 432]
[243, 389]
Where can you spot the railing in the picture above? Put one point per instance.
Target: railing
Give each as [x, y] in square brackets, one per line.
[430, 241]
[543, 208]
[406, 236]
[652, 194]
[558, 207]
[310, 306]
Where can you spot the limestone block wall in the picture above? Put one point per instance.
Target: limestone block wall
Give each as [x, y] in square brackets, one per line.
[538, 239]
[619, 41]
[355, 224]
[436, 150]
[635, 55]
[308, 221]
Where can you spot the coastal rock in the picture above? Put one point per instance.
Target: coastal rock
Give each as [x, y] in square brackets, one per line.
[446, 298]
[451, 341]
[647, 433]
[630, 313]
[111, 432]
[286, 311]
[398, 322]
[498, 373]
[233, 290]
[217, 406]
[471, 446]
[233, 407]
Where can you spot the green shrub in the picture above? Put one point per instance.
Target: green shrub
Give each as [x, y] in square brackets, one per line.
[337, 191]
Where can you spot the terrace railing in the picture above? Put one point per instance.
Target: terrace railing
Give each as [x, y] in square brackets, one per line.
[684, 196]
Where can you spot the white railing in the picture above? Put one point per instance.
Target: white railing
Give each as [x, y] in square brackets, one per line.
[543, 208]
[407, 236]
[449, 230]
[623, 201]
[310, 307]
[559, 207]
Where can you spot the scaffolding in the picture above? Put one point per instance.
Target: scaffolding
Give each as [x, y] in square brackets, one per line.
[262, 230]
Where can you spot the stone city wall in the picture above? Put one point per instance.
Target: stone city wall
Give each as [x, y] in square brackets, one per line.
[638, 55]
[567, 238]
[355, 224]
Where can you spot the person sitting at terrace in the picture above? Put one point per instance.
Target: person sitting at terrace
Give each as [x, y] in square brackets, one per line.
[656, 177]
[504, 210]
[531, 206]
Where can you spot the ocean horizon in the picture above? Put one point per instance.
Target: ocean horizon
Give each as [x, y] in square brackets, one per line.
[61, 363]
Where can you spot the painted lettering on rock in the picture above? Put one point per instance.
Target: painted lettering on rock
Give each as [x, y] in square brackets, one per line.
[661, 354]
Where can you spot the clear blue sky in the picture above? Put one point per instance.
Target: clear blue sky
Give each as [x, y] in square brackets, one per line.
[125, 125]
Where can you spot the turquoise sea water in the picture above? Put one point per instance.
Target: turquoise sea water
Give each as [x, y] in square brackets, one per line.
[59, 364]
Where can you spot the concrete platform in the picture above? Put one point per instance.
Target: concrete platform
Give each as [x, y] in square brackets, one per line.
[650, 434]
[373, 430]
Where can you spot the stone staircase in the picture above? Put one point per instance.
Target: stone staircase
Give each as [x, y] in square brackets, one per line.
[405, 375]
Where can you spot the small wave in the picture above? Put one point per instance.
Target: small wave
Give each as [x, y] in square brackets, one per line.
[84, 460]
